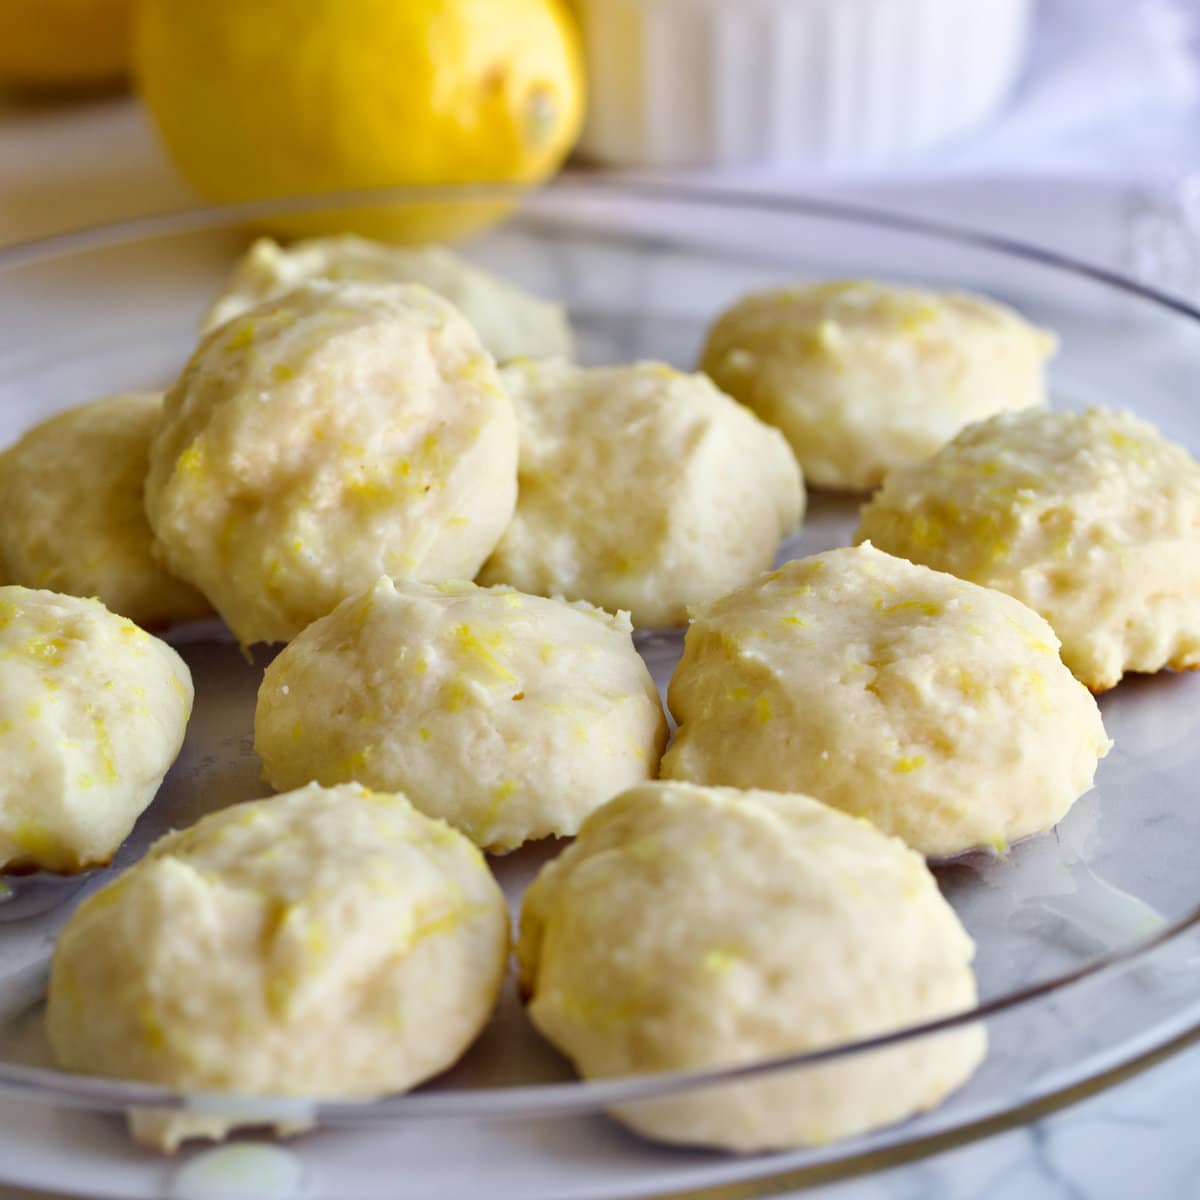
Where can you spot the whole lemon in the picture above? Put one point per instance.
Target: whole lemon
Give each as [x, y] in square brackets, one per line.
[64, 43]
[262, 98]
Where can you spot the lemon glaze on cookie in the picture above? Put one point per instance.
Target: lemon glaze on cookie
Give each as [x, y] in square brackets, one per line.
[696, 927]
[510, 323]
[1092, 519]
[74, 516]
[936, 708]
[510, 716]
[329, 942]
[332, 435]
[92, 715]
[641, 488]
[864, 377]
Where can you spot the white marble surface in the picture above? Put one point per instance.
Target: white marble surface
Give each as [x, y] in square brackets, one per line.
[63, 167]
[1137, 1139]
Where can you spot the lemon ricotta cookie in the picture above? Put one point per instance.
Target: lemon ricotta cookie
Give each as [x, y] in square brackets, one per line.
[510, 716]
[92, 715]
[329, 436]
[938, 709]
[74, 517]
[1092, 519]
[328, 943]
[510, 323]
[864, 377]
[641, 488]
[691, 928]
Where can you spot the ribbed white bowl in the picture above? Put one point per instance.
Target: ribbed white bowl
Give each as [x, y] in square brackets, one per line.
[692, 82]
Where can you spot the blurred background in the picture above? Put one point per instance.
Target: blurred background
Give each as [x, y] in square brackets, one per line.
[1071, 123]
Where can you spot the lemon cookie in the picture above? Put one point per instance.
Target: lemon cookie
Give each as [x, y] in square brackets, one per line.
[510, 716]
[334, 434]
[74, 518]
[938, 709]
[92, 715]
[641, 488]
[1092, 519]
[863, 377]
[690, 928]
[323, 943]
[510, 323]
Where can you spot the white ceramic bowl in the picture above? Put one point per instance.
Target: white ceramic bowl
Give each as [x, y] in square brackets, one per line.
[821, 82]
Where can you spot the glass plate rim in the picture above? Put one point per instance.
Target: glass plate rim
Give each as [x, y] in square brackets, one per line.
[210, 217]
[530, 1101]
[576, 1096]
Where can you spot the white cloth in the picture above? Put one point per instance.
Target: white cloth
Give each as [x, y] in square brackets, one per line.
[1111, 85]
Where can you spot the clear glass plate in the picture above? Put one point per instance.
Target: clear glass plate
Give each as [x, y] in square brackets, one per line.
[1088, 943]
